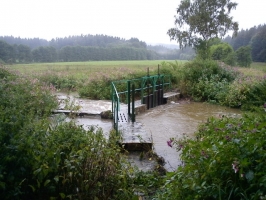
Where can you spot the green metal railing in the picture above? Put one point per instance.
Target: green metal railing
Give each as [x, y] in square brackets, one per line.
[148, 85]
[115, 106]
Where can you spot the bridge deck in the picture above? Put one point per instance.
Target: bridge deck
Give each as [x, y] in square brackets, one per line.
[134, 137]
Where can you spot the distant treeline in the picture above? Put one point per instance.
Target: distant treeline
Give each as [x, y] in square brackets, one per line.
[103, 47]
[254, 37]
[82, 48]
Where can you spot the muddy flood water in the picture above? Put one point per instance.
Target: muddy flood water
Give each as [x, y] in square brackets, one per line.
[162, 123]
[175, 119]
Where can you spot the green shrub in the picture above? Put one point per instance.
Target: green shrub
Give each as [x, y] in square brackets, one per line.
[96, 89]
[243, 56]
[23, 103]
[60, 81]
[226, 160]
[245, 92]
[45, 159]
[203, 80]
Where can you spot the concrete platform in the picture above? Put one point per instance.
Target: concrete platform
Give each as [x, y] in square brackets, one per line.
[171, 96]
[134, 137]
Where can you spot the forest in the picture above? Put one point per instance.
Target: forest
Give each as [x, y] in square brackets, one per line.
[254, 37]
[83, 48]
[103, 47]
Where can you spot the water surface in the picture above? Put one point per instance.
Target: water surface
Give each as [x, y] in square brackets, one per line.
[173, 120]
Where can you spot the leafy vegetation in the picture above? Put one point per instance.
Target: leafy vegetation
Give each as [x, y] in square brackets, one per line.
[225, 160]
[223, 52]
[80, 48]
[43, 158]
[46, 158]
[243, 55]
[198, 22]
[255, 37]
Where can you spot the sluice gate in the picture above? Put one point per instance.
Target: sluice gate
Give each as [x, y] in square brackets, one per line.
[149, 90]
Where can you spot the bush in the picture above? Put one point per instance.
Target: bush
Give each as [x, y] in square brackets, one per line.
[43, 158]
[223, 52]
[243, 56]
[60, 81]
[203, 80]
[226, 160]
[245, 92]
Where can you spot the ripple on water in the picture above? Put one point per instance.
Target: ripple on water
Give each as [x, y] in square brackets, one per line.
[173, 120]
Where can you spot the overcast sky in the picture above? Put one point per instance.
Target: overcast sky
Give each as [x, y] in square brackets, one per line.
[147, 20]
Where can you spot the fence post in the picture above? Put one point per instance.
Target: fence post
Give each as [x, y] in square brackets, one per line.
[128, 97]
[133, 103]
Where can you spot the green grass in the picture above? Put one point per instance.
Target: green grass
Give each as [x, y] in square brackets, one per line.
[256, 69]
[86, 69]
[92, 65]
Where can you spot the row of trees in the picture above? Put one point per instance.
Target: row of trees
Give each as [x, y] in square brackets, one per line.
[224, 52]
[58, 43]
[102, 47]
[254, 37]
[84, 48]
[23, 54]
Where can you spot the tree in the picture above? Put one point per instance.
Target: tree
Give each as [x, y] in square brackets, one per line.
[24, 53]
[258, 44]
[243, 56]
[7, 53]
[198, 21]
[223, 52]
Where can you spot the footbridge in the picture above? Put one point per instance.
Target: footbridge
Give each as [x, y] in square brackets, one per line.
[130, 97]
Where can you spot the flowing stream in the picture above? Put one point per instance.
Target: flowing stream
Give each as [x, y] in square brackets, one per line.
[175, 119]
[163, 122]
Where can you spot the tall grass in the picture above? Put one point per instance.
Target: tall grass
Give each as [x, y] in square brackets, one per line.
[78, 68]
[256, 69]
[77, 75]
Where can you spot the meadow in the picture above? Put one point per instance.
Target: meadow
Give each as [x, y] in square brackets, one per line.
[87, 69]
[93, 79]
[256, 69]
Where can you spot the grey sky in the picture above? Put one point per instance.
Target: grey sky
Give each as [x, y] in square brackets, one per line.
[147, 20]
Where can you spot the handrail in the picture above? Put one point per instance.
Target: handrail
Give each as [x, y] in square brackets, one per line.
[146, 82]
[115, 106]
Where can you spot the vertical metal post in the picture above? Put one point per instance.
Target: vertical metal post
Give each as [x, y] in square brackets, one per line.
[133, 103]
[128, 98]
[117, 106]
[141, 90]
[153, 91]
[148, 96]
[112, 97]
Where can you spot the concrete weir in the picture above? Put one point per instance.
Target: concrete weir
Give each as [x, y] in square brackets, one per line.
[134, 136]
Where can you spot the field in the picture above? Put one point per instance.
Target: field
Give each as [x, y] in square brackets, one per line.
[87, 69]
[256, 69]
